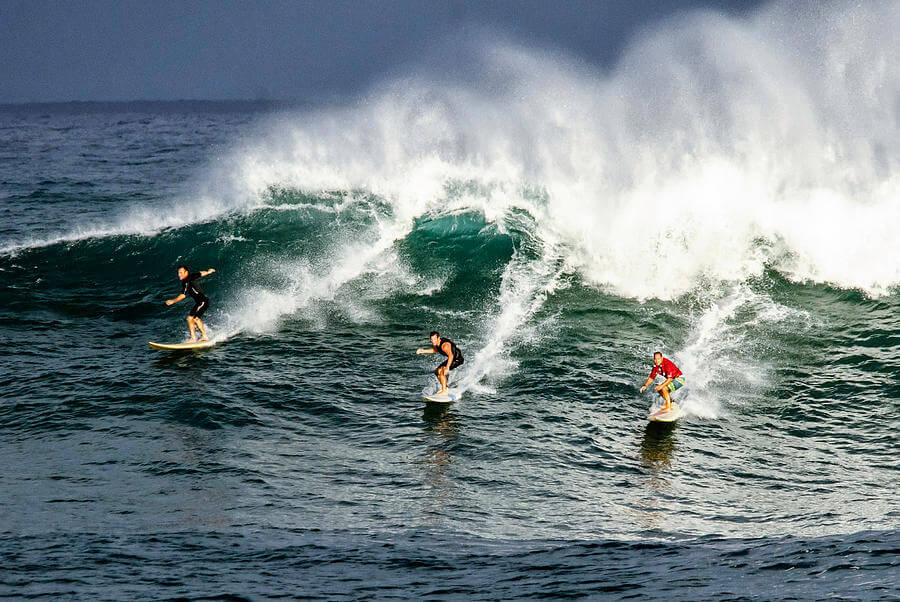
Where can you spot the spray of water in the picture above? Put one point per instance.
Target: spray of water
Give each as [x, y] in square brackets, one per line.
[723, 352]
[713, 149]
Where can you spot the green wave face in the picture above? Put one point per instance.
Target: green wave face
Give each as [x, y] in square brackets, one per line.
[291, 236]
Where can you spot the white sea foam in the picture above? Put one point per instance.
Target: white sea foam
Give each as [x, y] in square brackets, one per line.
[714, 148]
[722, 359]
[259, 309]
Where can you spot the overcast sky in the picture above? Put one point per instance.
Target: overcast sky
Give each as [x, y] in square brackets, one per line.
[279, 49]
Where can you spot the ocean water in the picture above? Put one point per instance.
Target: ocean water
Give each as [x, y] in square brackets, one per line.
[724, 193]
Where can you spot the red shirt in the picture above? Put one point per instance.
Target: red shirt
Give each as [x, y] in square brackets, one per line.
[667, 369]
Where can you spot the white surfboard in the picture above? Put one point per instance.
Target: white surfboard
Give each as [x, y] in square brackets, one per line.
[671, 415]
[181, 346]
[447, 398]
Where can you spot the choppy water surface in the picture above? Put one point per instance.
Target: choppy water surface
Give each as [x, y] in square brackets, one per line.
[295, 457]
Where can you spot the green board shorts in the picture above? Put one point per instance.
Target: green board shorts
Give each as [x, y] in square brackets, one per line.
[676, 383]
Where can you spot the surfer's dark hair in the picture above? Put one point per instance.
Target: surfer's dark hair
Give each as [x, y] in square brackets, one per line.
[182, 266]
[434, 333]
[657, 353]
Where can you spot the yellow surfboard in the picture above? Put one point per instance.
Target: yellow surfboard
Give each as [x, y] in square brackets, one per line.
[182, 346]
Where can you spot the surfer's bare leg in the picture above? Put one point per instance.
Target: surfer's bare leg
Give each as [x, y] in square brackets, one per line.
[441, 374]
[203, 336]
[664, 393]
[190, 321]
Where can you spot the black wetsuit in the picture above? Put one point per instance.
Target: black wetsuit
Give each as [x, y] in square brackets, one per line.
[190, 288]
[457, 355]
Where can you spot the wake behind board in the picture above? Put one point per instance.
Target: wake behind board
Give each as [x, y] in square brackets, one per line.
[181, 346]
[449, 397]
[660, 415]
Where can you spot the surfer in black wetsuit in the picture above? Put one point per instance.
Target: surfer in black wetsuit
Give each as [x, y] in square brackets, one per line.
[189, 287]
[454, 358]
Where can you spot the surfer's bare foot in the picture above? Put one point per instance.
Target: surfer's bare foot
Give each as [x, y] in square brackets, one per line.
[204, 339]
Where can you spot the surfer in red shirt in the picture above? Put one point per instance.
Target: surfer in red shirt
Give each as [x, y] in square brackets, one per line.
[674, 379]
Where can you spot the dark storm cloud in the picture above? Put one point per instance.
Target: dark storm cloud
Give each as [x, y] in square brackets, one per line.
[102, 50]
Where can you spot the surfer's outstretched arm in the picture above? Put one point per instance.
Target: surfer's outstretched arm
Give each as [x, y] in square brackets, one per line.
[647, 384]
[207, 272]
[175, 300]
[420, 350]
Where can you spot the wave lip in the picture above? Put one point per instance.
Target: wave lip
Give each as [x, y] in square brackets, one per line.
[714, 149]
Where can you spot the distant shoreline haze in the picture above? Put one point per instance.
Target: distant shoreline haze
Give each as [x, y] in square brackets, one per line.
[103, 106]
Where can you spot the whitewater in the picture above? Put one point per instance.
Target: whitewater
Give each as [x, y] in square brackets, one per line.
[713, 149]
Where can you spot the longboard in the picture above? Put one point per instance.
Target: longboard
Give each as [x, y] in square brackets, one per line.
[181, 346]
[671, 415]
[449, 397]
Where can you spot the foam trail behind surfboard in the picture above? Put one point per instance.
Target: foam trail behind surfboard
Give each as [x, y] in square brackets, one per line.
[719, 360]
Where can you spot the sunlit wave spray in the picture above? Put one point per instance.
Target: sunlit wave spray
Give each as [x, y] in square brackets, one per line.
[716, 147]
[713, 149]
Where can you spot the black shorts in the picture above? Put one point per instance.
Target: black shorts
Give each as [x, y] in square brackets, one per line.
[457, 362]
[199, 308]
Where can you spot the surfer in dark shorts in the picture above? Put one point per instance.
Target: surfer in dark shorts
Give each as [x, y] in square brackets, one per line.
[190, 288]
[669, 371]
[454, 358]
